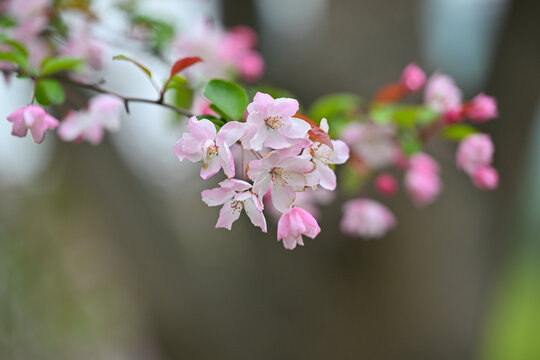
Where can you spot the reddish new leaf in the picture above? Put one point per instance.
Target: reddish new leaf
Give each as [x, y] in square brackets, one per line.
[316, 134]
[183, 64]
[390, 93]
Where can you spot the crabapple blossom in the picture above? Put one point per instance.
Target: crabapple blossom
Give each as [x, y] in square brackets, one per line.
[271, 123]
[33, 118]
[386, 184]
[309, 200]
[473, 151]
[366, 218]
[235, 195]
[322, 155]
[482, 108]
[81, 44]
[202, 142]
[443, 96]
[485, 177]
[422, 180]
[103, 113]
[374, 144]
[284, 172]
[413, 78]
[224, 52]
[295, 223]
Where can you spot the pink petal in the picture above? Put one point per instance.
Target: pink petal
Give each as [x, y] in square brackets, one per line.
[254, 212]
[210, 168]
[217, 196]
[282, 197]
[229, 213]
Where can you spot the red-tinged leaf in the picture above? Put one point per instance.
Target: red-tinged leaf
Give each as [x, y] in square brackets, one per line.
[390, 93]
[183, 64]
[316, 134]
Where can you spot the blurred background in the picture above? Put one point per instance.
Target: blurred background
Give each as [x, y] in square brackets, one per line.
[108, 253]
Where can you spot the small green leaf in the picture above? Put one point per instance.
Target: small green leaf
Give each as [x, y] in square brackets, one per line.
[382, 114]
[54, 65]
[14, 58]
[136, 63]
[49, 91]
[458, 132]
[183, 94]
[410, 143]
[427, 115]
[217, 121]
[7, 22]
[332, 105]
[227, 97]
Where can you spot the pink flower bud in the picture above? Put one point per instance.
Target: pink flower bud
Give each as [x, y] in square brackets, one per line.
[453, 115]
[33, 118]
[475, 150]
[413, 78]
[485, 177]
[294, 224]
[422, 180]
[251, 66]
[366, 218]
[386, 184]
[482, 108]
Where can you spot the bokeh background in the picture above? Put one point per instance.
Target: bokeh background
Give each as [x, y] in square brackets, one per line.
[108, 253]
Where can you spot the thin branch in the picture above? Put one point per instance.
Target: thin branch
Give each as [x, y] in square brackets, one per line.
[126, 99]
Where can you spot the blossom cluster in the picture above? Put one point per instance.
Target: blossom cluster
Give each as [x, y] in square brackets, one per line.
[276, 161]
[289, 160]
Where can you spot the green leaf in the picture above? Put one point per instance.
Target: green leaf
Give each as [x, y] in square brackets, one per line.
[136, 63]
[382, 114]
[183, 94]
[14, 58]
[49, 91]
[410, 143]
[217, 121]
[458, 132]
[227, 97]
[427, 115]
[334, 105]
[338, 109]
[54, 65]
[16, 46]
[17, 53]
[7, 22]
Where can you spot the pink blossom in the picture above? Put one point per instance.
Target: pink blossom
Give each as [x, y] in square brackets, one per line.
[374, 144]
[475, 150]
[270, 123]
[202, 142]
[310, 200]
[482, 108]
[225, 53]
[485, 177]
[251, 66]
[386, 184]
[235, 196]
[295, 223]
[103, 113]
[423, 162]
[322, 155]
[366, 218]
[422, 180]
[33, 118]
[81, 44]
[442, 94]
[282, 171]
[413, 78]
